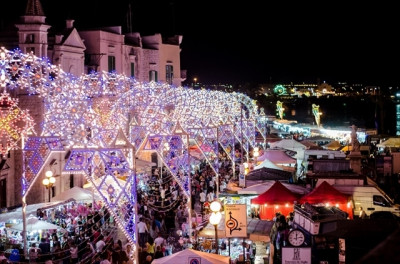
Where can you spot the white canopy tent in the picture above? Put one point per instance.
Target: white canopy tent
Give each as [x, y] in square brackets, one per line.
[267, 164]
[76, 193]
[190, 256]
[293, 145]
[31, 209]
[33, 223]
[277, 156]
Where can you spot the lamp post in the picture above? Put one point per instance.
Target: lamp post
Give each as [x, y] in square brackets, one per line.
[256, 153]
[215, 218]
[49, 181]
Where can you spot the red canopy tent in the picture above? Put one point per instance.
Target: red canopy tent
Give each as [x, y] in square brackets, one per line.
[327, 194]
[278, 198]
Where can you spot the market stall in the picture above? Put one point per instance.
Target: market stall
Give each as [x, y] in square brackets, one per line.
[329, 196]
[278, 198]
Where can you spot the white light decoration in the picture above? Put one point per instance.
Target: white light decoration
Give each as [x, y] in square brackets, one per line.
[215, 218]
[84, 113]
[215, 206]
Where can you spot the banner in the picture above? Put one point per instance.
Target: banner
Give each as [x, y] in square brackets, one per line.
[235, 220]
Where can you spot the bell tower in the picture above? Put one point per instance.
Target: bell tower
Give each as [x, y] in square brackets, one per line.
[32, 31]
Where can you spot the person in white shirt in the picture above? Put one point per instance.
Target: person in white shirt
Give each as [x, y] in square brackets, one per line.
[210, 196]
[142, 230]
[159, 241]
[100, 244]
[203, 197]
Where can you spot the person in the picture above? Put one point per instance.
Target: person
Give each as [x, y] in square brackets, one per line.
[73, 249]
[15, 255]
[158, 253]
[362, 215]
[148, 260]
[150, 247]
[58, 254]
[159, 241]
[142, 229]
[116, 254]
[273, 235]
[100, 244]
[33, 253]
[2, 257]
[104, 258]
[45, 253]
[203, 198]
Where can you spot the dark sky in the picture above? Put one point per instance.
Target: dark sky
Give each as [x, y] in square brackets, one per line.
[257, 41]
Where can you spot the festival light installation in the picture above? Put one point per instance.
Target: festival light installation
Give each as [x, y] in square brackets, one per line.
[280, 109]
[84, 115]
[317, 114]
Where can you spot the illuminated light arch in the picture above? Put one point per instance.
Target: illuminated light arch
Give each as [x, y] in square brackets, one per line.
[85, 113]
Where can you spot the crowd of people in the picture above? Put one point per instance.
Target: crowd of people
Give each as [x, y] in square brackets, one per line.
[89, 238]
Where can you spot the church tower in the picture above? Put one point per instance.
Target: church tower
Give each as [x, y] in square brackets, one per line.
[32, 31]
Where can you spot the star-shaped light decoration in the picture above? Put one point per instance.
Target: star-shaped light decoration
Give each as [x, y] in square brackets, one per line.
[14, 123]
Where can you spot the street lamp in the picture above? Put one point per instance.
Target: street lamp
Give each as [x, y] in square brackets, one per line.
[256, 153]
[215, 218]
[49, 181]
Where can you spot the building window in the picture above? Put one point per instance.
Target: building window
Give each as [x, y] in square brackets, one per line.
[153, 76]
[30, 38]
[30, 49]
[132, 69]
[169, 69]
[111, 63]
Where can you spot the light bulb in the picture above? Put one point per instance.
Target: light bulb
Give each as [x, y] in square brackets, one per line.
[215, 218]
[46, 182]
[215, 206]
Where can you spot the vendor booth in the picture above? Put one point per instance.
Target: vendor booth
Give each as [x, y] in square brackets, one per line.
[278, 198]
[327, 194]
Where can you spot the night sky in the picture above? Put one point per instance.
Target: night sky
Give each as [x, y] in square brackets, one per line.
[255, 41]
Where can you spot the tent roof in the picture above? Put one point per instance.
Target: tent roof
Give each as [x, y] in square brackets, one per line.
[277, 194]
[34, 223]
[289, 144]
[310, 145]
[76, 193]
[260, 188]
[268, 174]
[30, 209]
[319, 139]
[276, 156]
[333, 145]
[267, 164]
[324, 193]
[390, 143]
[186, 256]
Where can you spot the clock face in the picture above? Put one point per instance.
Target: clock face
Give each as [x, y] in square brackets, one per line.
[296, 238]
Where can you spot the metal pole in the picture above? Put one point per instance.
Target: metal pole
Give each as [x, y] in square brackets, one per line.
[189, 202]
[241, 133]
[24, 199]
[216, 239]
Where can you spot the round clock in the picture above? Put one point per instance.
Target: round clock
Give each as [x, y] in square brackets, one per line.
[296, 237]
